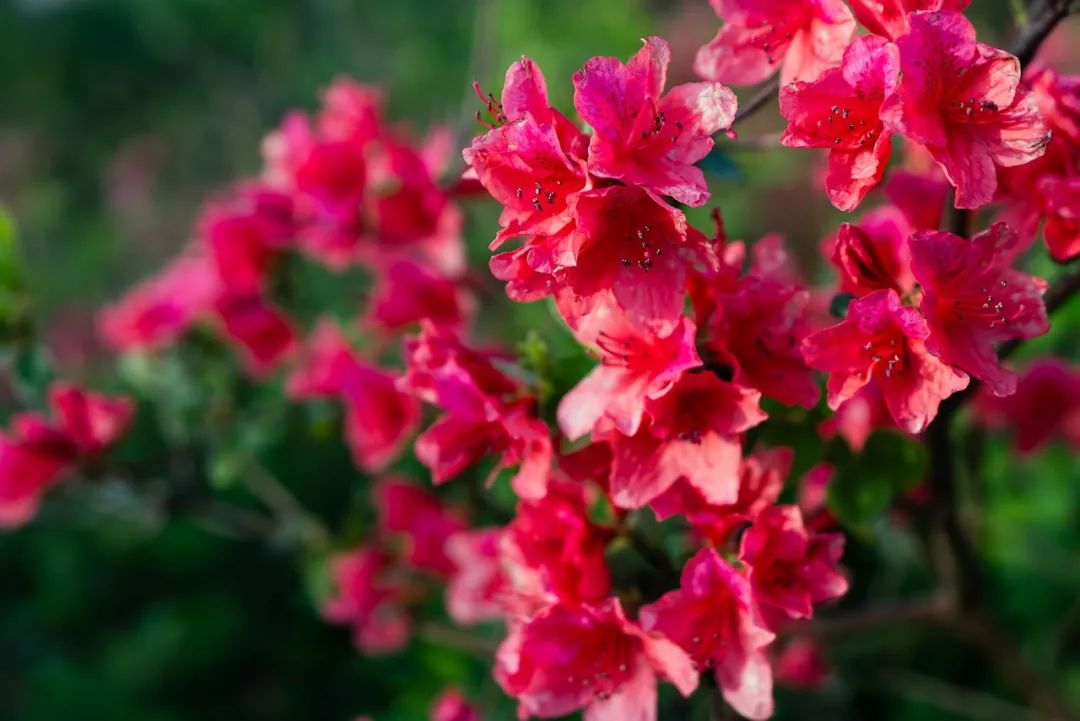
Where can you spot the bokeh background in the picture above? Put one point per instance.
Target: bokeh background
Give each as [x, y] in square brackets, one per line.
[118, 118]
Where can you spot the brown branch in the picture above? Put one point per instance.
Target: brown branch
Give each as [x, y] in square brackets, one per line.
[757, 100]
[1041, 23]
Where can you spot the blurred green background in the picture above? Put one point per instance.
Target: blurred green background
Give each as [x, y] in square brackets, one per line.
[118, 118]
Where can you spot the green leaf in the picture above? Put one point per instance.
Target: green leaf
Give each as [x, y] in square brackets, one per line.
[866, 484]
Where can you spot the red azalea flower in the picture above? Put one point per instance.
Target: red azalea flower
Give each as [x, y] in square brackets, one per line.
[859, 416]
[406, 293]
[884, 341]
[873, 253]
[423, 520]
[554, 540]
[485, 414]
[452, 706]
[379, 417]
[693, 434]
[593, 658]
[368, 600]
[758, 324]
[801, 37]
[631, 243]
[962, 100]
[644, 137]
[802, 664]
[158, 311]
[1046, 405]
[245, 233]
[36, 450]
[841, 111]
[1061, 205]
[790, 568]
[761, 480]
[259, 330]
[531, 161]
[973, 298]
[478, 584]
[889, 18]
[713, 617]
[634, 366]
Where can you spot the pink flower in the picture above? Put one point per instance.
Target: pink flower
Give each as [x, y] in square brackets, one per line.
[350, 110]
[640, 249]
[801, 37]
[1046, 405]
[859, 416]
[693, 434]
[368, 600]
[873, 254]
[486, 414]
[961, 99]
[554, 539]
[761, 481]
[592, 658]
[634, 366]
[36, 450]
[158, 311]
[452, 706]
[260, 331]
[1061, 203]
[841, 111]
[379, 417]
[644, 137]
[801, 664]
[973, 298]
[791, 569]
[713, 617]
[422, 519]
[758, 323]
[478, 584]
[531, 161]
[245, 232]
[883, 341]
[889, 18]
[328, 179]
[406, 293]
[410, 216]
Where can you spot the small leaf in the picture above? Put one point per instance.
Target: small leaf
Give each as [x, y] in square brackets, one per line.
[719, 165]
[838, 306]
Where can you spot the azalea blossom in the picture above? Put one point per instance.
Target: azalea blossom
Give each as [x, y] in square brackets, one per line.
[423, 520]
[635, 366]
[693, 434]
[368, 599]
[594, 658]
[792, 569]
[644, 137]
[478, 585]
[379, 417]
[36, 450]
[889, 18]
[884, 341]
[757, 323]
[963, 101]
[714, 618]
[1046, 405]
[486, 414]
[761, 481]
[451, 705]
[800, 37]
[873, 253]
[841, 110]
[973, 298]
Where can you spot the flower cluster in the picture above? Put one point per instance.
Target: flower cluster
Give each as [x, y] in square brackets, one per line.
[694, 336]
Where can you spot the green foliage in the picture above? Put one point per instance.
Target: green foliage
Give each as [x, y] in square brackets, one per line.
[867, 483]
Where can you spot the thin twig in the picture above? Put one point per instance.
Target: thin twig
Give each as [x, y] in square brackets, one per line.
[1042, 22]
[282, 503]
[757, 101]
[933, 609]
[965, 702]
[467, 641]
